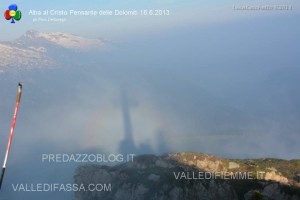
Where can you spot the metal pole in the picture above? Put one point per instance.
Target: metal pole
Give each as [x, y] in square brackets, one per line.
[11, 131]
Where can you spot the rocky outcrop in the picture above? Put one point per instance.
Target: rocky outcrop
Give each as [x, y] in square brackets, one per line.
[152, 177]
[276, 176]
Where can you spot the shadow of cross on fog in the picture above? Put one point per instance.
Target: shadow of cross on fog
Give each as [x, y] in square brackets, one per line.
[127, 145]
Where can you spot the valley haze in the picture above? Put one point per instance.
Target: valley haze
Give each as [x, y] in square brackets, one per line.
[230, 90]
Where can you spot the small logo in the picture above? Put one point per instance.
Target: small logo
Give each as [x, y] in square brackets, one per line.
[13, 13]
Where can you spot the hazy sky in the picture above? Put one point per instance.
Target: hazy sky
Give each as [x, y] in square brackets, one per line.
[183, 14]
[208, 47]
[206, 79]
[211, 88]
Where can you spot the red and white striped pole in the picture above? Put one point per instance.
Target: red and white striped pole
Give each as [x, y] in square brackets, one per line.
[11, 131]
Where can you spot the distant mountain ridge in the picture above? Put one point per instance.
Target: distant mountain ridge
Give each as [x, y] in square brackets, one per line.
[36, 49]
[68, 41]
[154, 177]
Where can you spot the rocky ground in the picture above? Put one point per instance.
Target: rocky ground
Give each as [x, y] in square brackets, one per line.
[169, 177]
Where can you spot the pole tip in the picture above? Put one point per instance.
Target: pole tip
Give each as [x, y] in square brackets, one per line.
[20, 87]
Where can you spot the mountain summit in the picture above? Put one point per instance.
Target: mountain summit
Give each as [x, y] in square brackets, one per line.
[189, 176]
[36, 49]
[68, 41]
